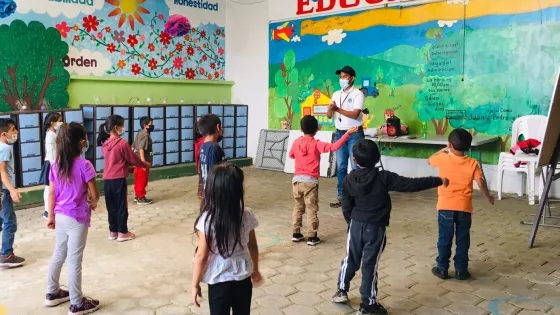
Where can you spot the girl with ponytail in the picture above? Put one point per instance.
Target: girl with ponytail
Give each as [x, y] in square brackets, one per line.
[51, 125]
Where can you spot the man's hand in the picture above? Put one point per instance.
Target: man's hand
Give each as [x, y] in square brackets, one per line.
[333, 107]
[445, 181]
[353, 130]
[16, 195]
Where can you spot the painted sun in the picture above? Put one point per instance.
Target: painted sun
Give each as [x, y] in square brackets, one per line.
[128, 10]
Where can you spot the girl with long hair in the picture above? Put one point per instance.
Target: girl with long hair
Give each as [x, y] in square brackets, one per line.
[119, 157]
[72, 182]
[51, 125]
[227, 258]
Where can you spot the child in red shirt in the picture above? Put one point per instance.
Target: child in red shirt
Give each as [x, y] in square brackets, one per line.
[307, 150]
[199, 141]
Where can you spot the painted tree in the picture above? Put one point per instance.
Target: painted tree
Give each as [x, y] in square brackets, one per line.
[426, 52]
[420, 69]
[31, 66]
[435, 32]
[379, 75]
[287, 89]
[393, 87]
[327, 87]
[476, 119]
[305, 80]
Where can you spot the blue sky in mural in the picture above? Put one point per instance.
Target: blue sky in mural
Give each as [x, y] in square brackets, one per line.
[383, 37]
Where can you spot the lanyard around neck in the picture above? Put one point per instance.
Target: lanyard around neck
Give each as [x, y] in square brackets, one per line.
[343, 101]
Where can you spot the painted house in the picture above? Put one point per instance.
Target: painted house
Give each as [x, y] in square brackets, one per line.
[317, 105]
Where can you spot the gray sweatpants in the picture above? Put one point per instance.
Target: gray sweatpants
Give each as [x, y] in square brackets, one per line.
[71, 239]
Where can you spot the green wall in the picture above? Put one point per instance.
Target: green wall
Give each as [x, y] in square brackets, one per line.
[119, 90]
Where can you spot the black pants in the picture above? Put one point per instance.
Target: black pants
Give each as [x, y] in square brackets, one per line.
[117, 205]
[458, 224]
[365, 242]
[224, 297]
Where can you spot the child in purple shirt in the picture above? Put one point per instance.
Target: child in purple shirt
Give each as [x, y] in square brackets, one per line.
[73, 195]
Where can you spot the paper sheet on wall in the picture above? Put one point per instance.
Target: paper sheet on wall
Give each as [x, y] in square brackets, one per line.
[328, 162]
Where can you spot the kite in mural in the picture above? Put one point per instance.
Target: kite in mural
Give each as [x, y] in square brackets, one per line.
[36, 77]
[128, 10]
[283, 32]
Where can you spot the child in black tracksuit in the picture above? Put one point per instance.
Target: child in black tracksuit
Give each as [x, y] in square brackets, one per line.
[366, 205]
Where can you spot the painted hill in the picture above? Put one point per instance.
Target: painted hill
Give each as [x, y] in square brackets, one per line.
[324, 64]
[403, 55]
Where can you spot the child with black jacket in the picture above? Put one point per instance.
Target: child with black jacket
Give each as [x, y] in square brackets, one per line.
[366, 206]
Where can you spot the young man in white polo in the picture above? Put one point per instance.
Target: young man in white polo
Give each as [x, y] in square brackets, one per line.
[346, 107]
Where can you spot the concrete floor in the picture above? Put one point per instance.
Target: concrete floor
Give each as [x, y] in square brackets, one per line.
[152, 274]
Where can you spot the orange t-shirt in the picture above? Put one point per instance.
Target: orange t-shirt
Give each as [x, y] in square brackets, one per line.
[461, 171]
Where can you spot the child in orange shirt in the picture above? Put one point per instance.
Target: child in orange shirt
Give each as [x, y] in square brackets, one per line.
[455, 202]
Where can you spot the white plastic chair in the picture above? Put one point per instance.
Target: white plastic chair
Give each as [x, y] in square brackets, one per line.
[532, 127]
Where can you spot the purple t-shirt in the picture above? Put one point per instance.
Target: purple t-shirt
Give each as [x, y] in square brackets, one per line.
[71, 194]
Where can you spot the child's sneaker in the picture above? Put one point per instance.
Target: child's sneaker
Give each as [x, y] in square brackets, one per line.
[463, 275]
[312, 241]
[442, 274]
[135, 199]
[374, 309]
[144, 201]
[340, 297]
[297, 237]
[113, 236]
[57, 298]
[11, 261]
[126, 237]
[87, 306]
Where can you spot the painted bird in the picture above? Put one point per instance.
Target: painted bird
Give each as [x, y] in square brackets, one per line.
[283, 32]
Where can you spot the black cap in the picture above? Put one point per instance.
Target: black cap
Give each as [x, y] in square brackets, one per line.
[348, 70]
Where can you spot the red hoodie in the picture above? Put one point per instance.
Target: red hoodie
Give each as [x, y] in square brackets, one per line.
[118, 157]
[197, 146]
[307, 153]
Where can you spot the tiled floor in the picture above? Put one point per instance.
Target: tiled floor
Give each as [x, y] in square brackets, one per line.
[152, 274]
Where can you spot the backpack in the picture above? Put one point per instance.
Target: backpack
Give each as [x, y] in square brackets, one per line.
[393, 126]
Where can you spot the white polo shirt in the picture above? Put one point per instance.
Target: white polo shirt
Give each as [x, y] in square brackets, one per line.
[351, 100]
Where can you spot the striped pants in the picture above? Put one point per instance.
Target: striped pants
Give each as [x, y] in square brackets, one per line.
[364, 245]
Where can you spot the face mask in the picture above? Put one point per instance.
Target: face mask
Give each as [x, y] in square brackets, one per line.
[151, 128]
[58, 125]
[12, 138]
[121, 133]
[85, 148]
[344, 83]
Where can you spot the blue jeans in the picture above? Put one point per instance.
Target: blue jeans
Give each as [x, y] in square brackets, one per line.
[458, 223]
[8, 223]
[342, 156]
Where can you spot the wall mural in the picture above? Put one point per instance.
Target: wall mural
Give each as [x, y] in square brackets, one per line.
[179, 39]
[458, 63]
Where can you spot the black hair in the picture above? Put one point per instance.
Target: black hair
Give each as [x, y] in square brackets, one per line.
[208, 124]
[224, 205]
[49, 119]
[144, 120]
[106, 127]
[5, 124]
[365, 111]
[68, 147]
[366, 153]
[309, 124]
[460, 139]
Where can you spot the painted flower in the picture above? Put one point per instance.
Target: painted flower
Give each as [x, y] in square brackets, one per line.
[190, 74]
[132, 40]
[187, 38]
[152, 64]
[185, 59]
[215, 41]
[209, 76]
[63, 28]
[216, 74]
[195, 40]
[123, 51]
[90, 23]
[136, 69]
[204, 46]
[162, 58]
[160, 16]
[164, 38]
[171, 54]
[76, 28]
[142, 37]
[212, 65]
[193, 30]
[166, 71]
[222, 71]
[100, 35]
[121, 64]
[221, 51]
[198, 48]
[108, 29]
[201, 71]
[203, 34]
[118, 36]
[178, 63]
[179, 47]
[7, 8]
[190, 51]
[111, 48]
[204, 57]
[218, 31]
[142, 56]
[151, 47]
[76, 38]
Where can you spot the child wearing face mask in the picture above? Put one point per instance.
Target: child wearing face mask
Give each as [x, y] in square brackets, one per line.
[51, 125]
[143, 146]
[8, 221]
[118, 157]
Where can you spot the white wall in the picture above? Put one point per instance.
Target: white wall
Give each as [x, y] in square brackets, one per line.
[247, 62]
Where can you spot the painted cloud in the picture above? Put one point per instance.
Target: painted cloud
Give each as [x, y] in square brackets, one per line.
[54, 9]
[199, 16]
[334, 36]
[102, 64]
[296, 39]
[443, 23]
